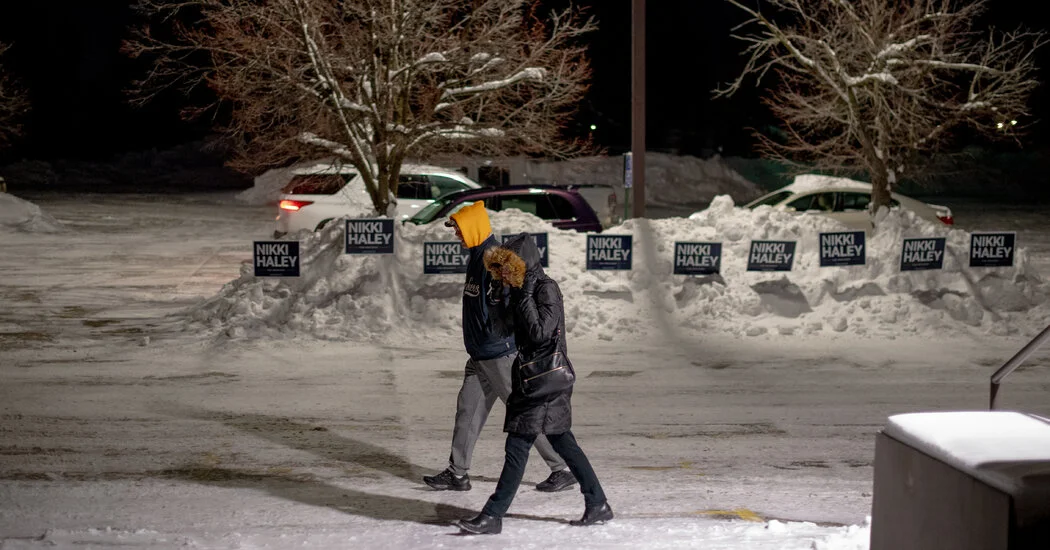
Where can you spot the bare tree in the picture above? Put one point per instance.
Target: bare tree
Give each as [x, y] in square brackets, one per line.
[874, 84]
[14, 104]
[374, 82]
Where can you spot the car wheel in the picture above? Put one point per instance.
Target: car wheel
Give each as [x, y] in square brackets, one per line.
[321, 225]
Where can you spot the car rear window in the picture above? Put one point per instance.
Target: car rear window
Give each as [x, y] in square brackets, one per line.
[316, 184]
[447, 185]
[545, 206]
[859, 201]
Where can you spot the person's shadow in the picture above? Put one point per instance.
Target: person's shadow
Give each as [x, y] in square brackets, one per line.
[305, 490]
[322, 442]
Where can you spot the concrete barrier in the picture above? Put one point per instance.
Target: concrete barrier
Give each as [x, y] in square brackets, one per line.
[962, 481]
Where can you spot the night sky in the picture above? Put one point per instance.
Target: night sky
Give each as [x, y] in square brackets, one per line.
[67, 53]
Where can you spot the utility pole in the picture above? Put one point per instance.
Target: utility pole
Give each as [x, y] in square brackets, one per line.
[638, 105]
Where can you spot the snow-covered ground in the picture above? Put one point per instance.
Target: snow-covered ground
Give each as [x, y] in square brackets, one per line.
[278, 417]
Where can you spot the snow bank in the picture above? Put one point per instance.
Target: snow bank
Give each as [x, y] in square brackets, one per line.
[380, 297]
[21, 215]
[267, 188]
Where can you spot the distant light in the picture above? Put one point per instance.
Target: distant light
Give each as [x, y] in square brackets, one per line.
[999, 125]
[594, 127]
[1013, 123]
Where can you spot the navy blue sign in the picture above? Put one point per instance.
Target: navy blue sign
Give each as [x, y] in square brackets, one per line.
[771, 256]
[838, 249]
[541, 243]
[919, 254]
[276, 258]
[610, 252]
[992, 250]
[440, 258]
[628, 170]
[697, 258]
[370, 236]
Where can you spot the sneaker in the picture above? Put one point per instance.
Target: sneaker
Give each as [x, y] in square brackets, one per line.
[557, 481]
[446, 480]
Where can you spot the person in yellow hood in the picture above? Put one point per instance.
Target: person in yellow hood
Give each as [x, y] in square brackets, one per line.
[487, 375]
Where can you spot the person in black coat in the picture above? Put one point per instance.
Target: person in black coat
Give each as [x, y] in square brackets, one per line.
[541, 400]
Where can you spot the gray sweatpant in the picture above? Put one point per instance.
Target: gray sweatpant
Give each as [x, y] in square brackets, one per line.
[483, 382]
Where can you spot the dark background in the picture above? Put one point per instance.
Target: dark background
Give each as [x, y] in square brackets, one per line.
[67, 53]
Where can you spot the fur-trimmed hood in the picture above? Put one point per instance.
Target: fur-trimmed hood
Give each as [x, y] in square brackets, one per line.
[520, 254]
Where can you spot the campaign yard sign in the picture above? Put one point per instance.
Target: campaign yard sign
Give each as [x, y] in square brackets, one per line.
[370, 236]
[922, 253]
[842, 248]
[541, 243]
[441, 258]
[697, 258]
[609, 252]
[771, 256]
[992, 249]
[276, 258]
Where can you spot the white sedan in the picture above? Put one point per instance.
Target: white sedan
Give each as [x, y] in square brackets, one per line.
[321, 193]
[844, 200]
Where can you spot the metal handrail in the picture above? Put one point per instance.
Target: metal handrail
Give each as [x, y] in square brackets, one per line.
[1015, 362]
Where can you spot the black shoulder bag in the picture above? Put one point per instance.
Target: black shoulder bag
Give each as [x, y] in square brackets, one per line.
[547, 374]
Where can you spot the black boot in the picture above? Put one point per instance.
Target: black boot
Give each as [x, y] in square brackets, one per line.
[594, 514]
[484, 524]
[447, 480]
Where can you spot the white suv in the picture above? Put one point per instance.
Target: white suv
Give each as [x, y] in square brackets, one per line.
[318, 194]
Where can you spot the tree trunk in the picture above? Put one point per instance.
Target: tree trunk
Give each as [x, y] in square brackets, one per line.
[880, 187]
[879, 174]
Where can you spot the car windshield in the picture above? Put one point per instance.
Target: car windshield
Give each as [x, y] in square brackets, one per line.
[770, 200]
[429, 212]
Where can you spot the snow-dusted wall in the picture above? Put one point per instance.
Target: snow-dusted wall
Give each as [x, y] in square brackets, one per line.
[670, 180]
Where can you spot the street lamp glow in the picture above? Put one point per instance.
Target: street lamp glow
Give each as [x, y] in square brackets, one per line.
[594, 127]
[999, 125]
[1013, 123]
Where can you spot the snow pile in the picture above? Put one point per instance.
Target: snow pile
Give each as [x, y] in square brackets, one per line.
[343, 296]
[267, 188]
[669, 180]
[25, 216]
[805, 183]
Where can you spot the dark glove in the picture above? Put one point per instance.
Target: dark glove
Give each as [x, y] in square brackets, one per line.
[516, 295]
[529, 286]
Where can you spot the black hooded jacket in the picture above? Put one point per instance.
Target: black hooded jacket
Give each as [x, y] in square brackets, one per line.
[538, 316]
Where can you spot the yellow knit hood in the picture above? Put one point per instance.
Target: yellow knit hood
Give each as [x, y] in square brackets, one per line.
[473, 222]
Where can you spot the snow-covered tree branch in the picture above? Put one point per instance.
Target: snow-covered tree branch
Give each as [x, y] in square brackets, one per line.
[374, 82]
[14, 103]
[873, 84]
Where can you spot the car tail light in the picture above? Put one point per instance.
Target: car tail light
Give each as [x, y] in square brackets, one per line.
[294, 206]
[946, 218]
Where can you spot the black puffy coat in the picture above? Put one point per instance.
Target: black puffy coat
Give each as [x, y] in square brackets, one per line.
[537, 312]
